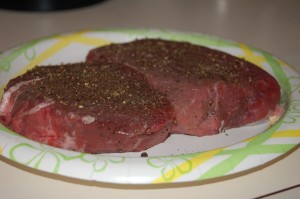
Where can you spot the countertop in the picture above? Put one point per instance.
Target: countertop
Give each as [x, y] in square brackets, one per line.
[270, 25]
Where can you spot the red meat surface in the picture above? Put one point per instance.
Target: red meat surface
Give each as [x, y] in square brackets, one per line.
[210, 90]
[95, 108]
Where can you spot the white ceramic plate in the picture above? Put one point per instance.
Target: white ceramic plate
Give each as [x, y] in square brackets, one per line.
[180, 158]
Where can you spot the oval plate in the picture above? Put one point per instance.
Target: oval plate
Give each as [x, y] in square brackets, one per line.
[180, 158]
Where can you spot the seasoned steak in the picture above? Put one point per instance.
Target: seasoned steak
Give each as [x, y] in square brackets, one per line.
[209, 89]
[86, 107]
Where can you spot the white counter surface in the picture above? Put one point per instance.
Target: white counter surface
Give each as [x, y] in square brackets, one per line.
[270, 25]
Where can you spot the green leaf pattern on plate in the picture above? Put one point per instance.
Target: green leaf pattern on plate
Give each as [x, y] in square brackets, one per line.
[167, 164]
[26, 49]
[41, 154]
[38, 155]
[293, 112]
[101, 162]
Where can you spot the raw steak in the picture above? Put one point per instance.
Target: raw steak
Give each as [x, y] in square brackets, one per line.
[209, 89]
[93, 108]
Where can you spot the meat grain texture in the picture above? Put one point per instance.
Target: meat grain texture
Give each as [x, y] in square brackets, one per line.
[131, 96]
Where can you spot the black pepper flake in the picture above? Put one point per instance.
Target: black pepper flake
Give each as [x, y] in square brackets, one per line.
[144, 155]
